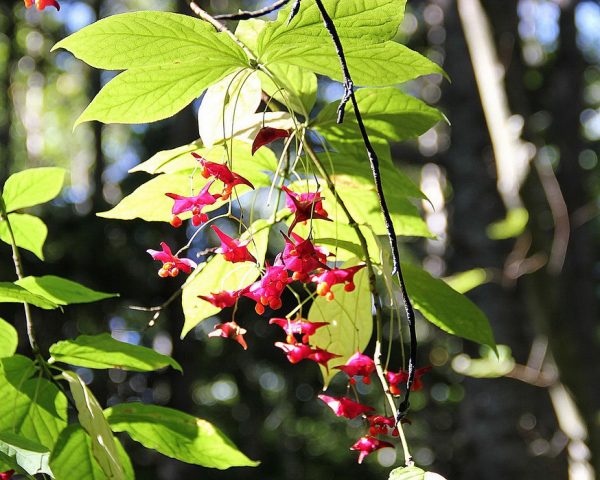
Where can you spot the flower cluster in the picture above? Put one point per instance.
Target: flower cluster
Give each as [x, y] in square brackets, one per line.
[41, 4]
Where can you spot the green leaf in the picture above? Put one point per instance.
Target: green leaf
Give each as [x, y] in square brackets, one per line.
[171, 161]
[387, 112]
[32, 406]
[466, 281]
[350, 322]
[32, 187]
[91, 417]
[490, 365]
[294, 87]
[218, 275]
[446, 308]
[177, 435]
[9, 339]
[407, 473]
[148, 94]
[30, 232]
[73, 458]
[103, 351]
[62, 291]
[141, 39]
[29, 455]
[248, 31]
[11, 293]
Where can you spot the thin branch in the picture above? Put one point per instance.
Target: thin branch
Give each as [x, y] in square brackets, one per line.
[246, 14]
[374, 162]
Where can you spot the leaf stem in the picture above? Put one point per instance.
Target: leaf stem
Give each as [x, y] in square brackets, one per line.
[246, 14]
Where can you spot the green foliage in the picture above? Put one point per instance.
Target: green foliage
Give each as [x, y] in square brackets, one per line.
[291, 86]
[177, 435]
[464, 282]
[32, 406]
[446, 308]
[407, 473]
[91, 418]
[103, 351]
[9, 339]
[62, 291]
[11, 293]
[30, 232]
[350, 322]
[29, 455]
[32, 187]
[490, 365]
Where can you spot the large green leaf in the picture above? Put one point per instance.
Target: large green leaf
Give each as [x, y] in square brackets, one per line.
[407, 473]
[217, 275]
[29, 455]
[62, 291]
[11, 293]
[32, 187]
[141, 39]
[350, 322]
[91, 418]
[103, 351]
[148, 94]
[73, 457]
[445, 307]
[31, 406]
[30, 232]
[294, 87]
[177, 435]
[9, 339]
[387, 113]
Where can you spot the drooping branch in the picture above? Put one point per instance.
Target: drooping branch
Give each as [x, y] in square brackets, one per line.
[246, 14]
[374, 163]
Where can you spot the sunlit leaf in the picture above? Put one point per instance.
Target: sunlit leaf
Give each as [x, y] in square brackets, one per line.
[30, 232]
[9, 339]
[11, 293]
[62, 291]
[31, 187]
[28, 454]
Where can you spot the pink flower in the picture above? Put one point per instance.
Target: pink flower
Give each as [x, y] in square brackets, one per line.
[171, 264]
[193, 204]
[344, 407]
[223, 299]
[367, 444]
[299, 326]
[230, 330]
[221, 172]
[304, 206]
[302, 257]
[358, 365]
[322, 356]
[268, 290]
[40, 5]
[268, 135]
[295, 352]
[233, 251]
[381, 425]
[327, 278]
[395, 379]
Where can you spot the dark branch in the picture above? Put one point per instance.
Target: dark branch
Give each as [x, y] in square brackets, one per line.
[294, 11]
[374, 162]
[245, 15]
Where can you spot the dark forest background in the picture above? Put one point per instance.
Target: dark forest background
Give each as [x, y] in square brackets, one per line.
[540, 420]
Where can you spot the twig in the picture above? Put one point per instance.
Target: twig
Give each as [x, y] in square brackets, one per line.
[374, 162]
[245, 14]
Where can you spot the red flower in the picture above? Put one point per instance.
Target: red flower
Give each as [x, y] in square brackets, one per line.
[358, 365]
[193, 204]
[268, 290]
[221, 172]
[304, 206]
[395, 379]
[268, 135]
[381, 425]
[40, 5]
[234, 251]
[344, 407]
[295, 352]
[322, 356]
[222, 299]
[297, 327]
[302, 257]
[367, 444]
[327, 278]
[171, 264]
[230, 330]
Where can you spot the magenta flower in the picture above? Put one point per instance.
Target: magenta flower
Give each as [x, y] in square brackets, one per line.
[302, 256]
[223, 173]
[40, 5]
[193, 204]
[223, 299]
[233, 251]
[358, 365]
[381, 425]
[327, 278]
[299, 326]
[344, 407]
[295, 352]
[268, 290]
[172, 265]
[322, 356]
[230, 330]
[396, 378]
[268, 135]
[367, 444]
[305, 206]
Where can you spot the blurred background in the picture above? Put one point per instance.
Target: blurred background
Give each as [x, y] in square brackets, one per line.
[514, 183]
